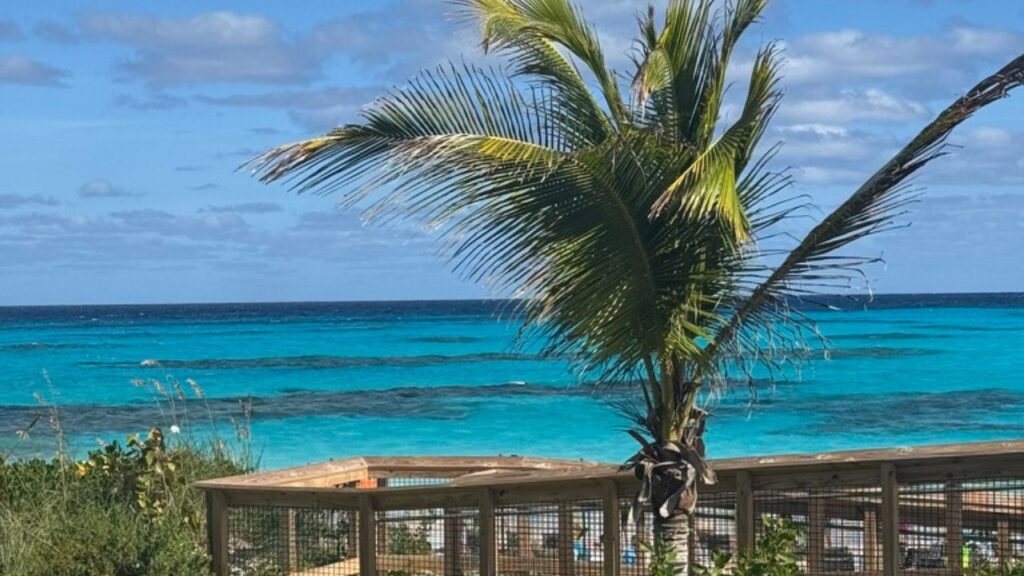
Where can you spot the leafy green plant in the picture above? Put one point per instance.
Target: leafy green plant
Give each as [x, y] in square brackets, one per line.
[403, 540]
[664, 558]
[1015, 568]
[773, 554]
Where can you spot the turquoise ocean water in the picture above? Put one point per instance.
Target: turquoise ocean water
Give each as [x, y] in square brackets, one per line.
[338, 379]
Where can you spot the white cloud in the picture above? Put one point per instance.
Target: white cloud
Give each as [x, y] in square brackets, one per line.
[26, 71]
[316, 110]
[210, 47]
[102, 189]
[245, 208]
[924, 65]
[848, 106]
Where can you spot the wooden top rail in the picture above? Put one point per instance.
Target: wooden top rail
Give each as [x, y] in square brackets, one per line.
[335, 474]
[521, 480]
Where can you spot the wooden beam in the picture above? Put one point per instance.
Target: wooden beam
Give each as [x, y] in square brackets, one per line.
[352, 536]
[566, 558]
[816, 526]
[289, 537]
[367, 537]
[1003, 543]
[488, 541]
[452, 543]
[524, 532]
[382, 527]
[890, 520]
[954, 528]
[611, 523]
[217, 532]
[744, 512]
[871, 556]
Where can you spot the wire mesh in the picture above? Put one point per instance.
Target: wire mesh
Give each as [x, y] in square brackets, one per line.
[840, 528]
[428, 541]
[550, 538]
[636, 538]
[945, 528]
[714, 527]
[270, 541]
[954, 527]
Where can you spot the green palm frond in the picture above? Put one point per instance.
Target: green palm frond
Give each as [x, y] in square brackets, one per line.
[813, 265]
[531, 32]
[708, 185]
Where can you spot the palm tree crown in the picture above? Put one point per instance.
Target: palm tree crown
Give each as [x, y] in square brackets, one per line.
[628, 225]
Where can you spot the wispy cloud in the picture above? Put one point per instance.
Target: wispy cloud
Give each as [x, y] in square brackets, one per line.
[212, 47]
[10, 31]
[10, 201]
[29, 72]
[56, 32]
[319, 109]
[245, 208]
[153, 101]
[102, 189]
[923, 65]
[390, 43]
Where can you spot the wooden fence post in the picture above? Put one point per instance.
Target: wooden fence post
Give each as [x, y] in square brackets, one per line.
[524, 532]
[452, 543]
[744, 512]
[816, 526]
[1003, 543]
[367, 537]
[290, 550]
[890, 520]
[612, 518]
[566, 556]
[954, 528]
[871, 564]
[488, 542]
[217, 532]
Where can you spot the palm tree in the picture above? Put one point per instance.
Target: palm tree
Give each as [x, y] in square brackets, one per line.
[634, 228]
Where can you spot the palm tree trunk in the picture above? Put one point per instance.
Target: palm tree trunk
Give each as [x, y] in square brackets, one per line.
[673, 536]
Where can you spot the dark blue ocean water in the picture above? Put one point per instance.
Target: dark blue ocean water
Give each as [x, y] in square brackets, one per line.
[336, 379]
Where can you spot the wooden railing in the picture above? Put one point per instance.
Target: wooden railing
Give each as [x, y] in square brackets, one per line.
[926, 510]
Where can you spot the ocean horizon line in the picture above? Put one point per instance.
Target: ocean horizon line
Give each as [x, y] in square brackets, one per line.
[858, 297]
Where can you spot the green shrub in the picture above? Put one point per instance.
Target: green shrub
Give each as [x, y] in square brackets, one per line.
[1015, 568]
[123, 510]
[773, 554]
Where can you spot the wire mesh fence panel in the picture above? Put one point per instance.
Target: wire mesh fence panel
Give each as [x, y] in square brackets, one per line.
[714, 527]
[325, 542]
[940, 519]
[428, 541]
[551, 538]
[636, 540]
[839, 528]
[270, 541]
[257, 540]
[954, 527]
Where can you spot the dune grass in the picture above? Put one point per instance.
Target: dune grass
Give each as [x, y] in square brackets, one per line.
[123, 509]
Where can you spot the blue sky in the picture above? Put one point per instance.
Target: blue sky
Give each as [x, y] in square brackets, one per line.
[124, 123]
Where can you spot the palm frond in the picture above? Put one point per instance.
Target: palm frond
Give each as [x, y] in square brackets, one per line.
[708, 185]
[813, 264]
[531, 32]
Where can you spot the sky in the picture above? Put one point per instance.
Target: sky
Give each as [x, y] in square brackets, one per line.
[125, 123]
